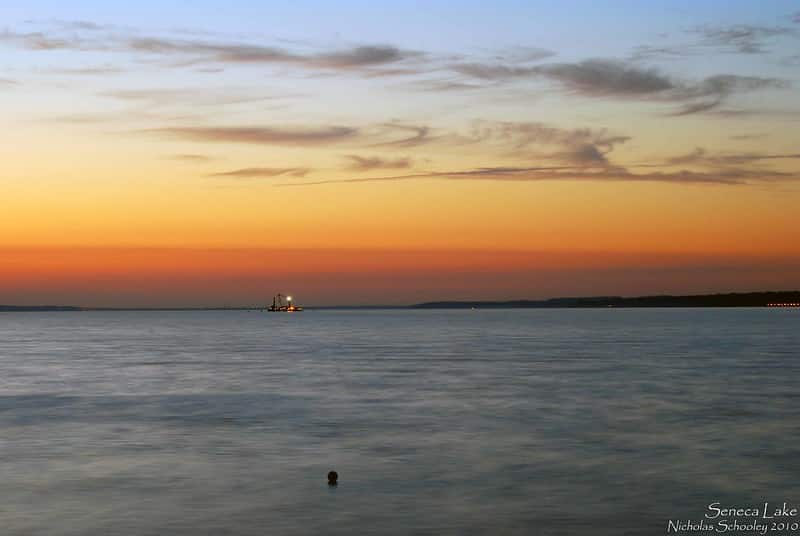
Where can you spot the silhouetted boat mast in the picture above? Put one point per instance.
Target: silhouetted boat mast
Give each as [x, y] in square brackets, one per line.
[279, 307]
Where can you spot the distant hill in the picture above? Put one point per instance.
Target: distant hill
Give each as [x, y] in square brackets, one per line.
[749, 299]
[36, 308]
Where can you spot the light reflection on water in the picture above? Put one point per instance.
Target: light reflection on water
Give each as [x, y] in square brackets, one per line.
[462, 422]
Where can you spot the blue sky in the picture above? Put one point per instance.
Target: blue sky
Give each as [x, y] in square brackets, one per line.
[445, 25]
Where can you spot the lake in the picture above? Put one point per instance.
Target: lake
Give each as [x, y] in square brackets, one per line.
[590, 421]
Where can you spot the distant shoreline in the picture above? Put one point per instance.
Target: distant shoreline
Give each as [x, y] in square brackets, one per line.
[733, 299]
[789, 298]
[38, 308]
[73, 308]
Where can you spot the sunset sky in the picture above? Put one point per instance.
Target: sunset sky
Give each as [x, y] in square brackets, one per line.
[183, 153]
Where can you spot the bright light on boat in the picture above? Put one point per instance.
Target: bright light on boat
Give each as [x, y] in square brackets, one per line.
[288, 298]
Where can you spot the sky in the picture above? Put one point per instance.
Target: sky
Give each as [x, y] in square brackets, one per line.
[209, 153]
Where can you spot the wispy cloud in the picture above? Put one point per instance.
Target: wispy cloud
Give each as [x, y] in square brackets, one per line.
[391, 135]
[256, 172]
[613, 78]
[82, 25]
[366, 163]
[188, 96]
[447, 85]
[99, 70]
[581, 146]
[734, 39]
[583, 155]
[221, 52]
[742, 38]
[361, 56]
[211, 51]
[609, 78]
[747, 137]
[493, 71]
[523, 134]
[192, 51]
[670, 52]
[501, 65]
[785, 114]
[592, 77]
[529, 174]
[260, 135]
[600, 77]
[522, 54]
[415, 135]
[714, 90]
[702, 157]
[37, 41]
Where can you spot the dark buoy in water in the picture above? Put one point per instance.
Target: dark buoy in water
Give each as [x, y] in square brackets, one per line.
[333, 476]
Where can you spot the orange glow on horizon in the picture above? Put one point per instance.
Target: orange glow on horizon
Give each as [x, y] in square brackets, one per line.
[204, 277]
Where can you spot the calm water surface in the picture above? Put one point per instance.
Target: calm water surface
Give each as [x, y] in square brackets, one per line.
[438, 422]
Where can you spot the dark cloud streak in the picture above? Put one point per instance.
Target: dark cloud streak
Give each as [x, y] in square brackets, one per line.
[599, 77]
[419, 135]
[261, 135]
[581, 146]
[193, 51]
[702, 157]
[615, 174]
[611, 78]
[488, 71]
[40, 41]
[367, 163]
[743, 137]
[257, 172]
[742, 38]
[194, 97]
[89, 71]
[361, 56]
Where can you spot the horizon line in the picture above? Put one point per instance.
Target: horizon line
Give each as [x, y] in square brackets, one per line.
[430, 303]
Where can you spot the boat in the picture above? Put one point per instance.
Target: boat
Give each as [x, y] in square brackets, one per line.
[279, 307]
